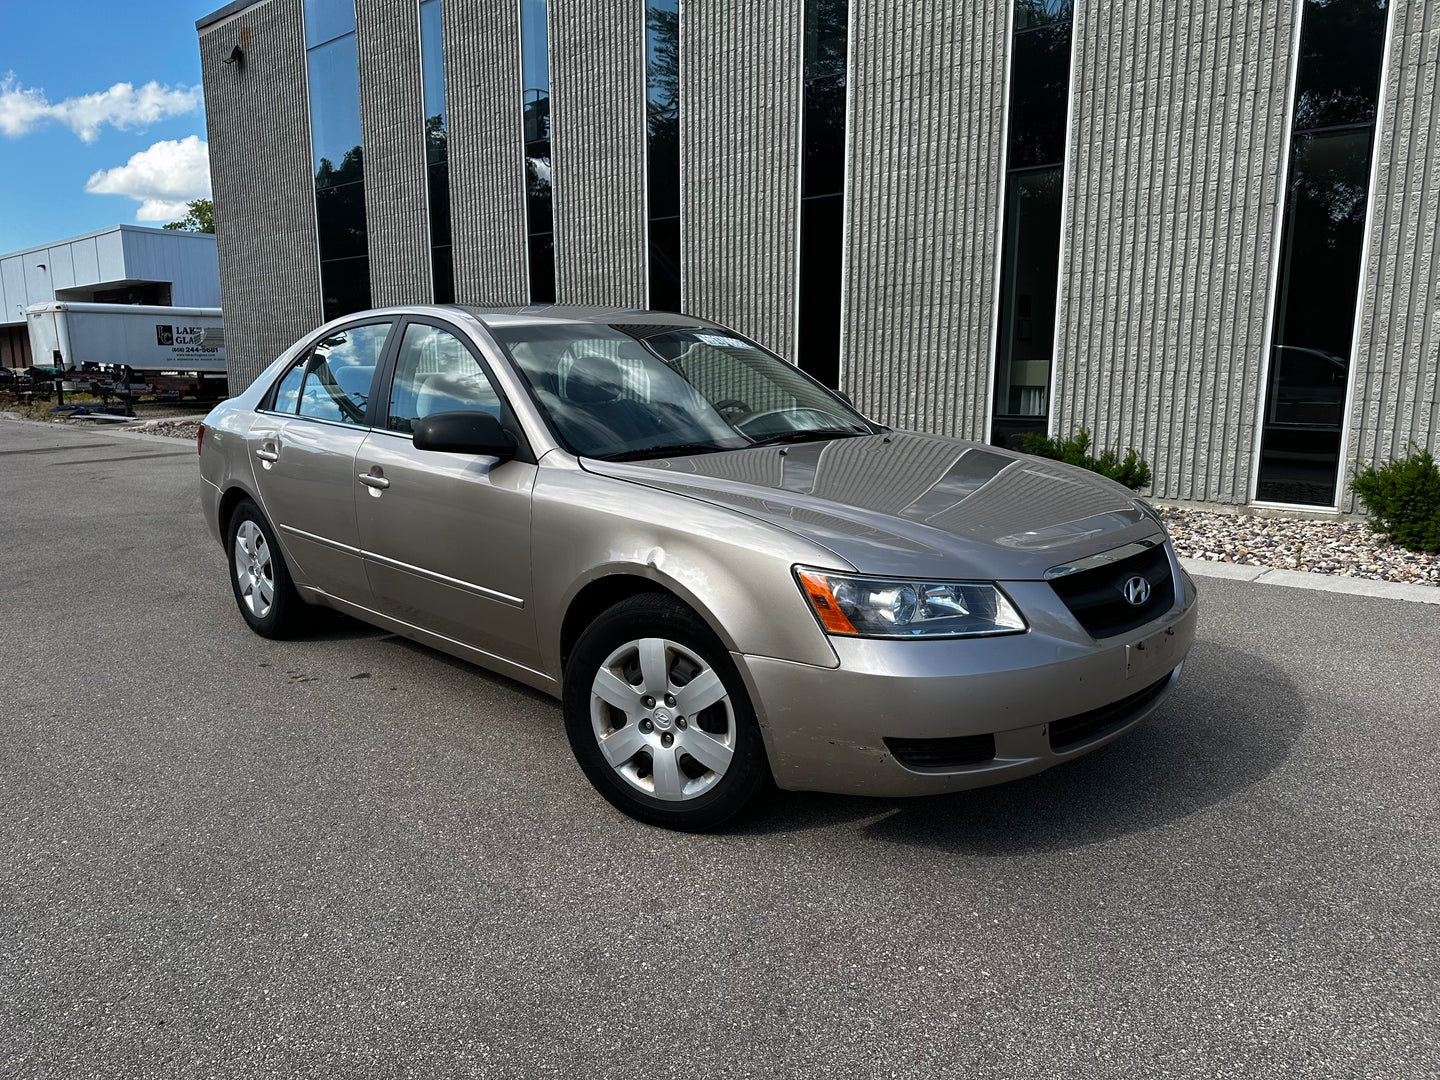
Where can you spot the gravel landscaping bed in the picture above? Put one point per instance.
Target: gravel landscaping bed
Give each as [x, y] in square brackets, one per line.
[1344, 548]
[188, 429]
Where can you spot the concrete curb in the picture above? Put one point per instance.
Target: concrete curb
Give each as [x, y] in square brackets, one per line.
[1302, 579]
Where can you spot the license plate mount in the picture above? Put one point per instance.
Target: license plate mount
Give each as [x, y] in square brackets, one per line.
[1152, 655]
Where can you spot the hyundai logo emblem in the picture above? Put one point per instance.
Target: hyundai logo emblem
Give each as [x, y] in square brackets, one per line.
[1137, 590]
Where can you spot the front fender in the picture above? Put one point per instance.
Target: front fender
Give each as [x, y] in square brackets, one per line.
[733, 570]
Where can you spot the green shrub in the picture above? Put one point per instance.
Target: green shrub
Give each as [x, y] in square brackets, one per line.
[1403, 498]
[1131, 470]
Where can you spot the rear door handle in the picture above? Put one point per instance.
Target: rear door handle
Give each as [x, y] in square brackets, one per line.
[267, 455]
[372, 481]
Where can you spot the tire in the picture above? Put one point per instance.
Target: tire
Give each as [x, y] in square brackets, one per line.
[257, 567]
[654, 770]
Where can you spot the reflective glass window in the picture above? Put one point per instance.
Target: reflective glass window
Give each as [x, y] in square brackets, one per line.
[339, 373]
[1322, 239]
[432, 75]
[535, 121]
[1033, 13]
[340, 214]
[824, 168]
[335, 112]
[1341, 50]
[344, 286]
[662, 117]
[1039, 96]
[328, 19]
[1027, 301]
[1030, 246]
[822, 221]
[338, 156]
[826, 37]
[434, 373]
[1315, 317]
[822, 186]
[437, 152]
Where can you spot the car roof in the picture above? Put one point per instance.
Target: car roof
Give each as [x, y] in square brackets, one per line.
[572, 313]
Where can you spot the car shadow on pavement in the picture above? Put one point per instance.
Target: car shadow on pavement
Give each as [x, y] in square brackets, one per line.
[1230, 723]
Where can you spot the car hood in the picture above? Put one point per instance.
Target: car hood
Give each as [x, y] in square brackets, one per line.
[911, 504]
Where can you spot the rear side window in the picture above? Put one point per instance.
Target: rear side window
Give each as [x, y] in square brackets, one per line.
[434, 373]
[333, 381]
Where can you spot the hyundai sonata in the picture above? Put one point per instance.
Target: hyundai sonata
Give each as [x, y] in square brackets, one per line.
[728, 576]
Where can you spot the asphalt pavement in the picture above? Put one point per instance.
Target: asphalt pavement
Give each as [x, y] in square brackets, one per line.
[353, 856]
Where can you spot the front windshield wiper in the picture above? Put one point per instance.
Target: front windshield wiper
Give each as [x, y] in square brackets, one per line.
[667, 449]
[808, 435]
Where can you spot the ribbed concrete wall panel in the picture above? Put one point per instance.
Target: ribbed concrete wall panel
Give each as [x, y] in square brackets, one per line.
[392, 126]
[486, 151]
[264, 191]
[1397, 359]
[740, 146]
[1176, 148]
[927, 95]
[597, 148]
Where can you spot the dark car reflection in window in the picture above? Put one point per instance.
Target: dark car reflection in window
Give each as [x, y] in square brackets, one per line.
[1308, 389]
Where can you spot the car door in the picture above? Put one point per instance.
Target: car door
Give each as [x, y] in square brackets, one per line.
[302, 448]
[446, 537]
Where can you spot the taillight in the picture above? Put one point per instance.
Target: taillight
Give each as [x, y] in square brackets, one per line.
[200, 440]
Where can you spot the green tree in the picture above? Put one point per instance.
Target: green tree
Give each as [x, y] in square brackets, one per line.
[200, 218]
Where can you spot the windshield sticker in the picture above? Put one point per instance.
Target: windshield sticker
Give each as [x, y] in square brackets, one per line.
[720, 341]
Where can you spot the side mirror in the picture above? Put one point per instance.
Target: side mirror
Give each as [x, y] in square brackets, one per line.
[464, 433]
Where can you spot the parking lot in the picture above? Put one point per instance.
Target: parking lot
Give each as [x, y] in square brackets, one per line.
[351, 855]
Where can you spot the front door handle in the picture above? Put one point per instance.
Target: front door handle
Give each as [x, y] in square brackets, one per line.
[372, 481]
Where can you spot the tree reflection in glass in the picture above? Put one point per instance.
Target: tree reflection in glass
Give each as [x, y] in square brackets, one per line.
[535, 124]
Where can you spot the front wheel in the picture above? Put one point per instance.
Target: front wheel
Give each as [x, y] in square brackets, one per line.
[659, 720]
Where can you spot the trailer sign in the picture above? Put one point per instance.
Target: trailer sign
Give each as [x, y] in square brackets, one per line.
[183, 341]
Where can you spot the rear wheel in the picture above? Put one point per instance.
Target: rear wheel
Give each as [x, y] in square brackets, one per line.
[659, 720]
[259, 578]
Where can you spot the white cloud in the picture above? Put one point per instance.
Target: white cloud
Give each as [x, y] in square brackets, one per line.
[163, 178]
[122, 106]
[20, 109]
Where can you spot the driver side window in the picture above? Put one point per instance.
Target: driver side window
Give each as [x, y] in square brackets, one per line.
[434, 373]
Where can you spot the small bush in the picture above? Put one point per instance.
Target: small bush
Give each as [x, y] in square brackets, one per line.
[1403, 498]
[1131, 470]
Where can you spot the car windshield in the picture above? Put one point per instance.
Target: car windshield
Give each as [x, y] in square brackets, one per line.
[646, 391]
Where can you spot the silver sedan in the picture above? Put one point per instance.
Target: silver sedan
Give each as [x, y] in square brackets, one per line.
[729, 577]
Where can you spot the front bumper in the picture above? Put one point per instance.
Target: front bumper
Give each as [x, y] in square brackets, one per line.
[1046, 696]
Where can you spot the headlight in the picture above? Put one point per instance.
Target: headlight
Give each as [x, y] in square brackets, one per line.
[890, 608]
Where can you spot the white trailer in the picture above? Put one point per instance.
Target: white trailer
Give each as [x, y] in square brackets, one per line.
[136, 348]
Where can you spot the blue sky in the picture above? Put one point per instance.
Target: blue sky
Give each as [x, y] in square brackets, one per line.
[124, 75]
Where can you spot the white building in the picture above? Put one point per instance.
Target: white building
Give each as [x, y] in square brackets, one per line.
[124, 264]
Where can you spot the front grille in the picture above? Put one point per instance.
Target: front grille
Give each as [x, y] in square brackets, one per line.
[1097, 597]
[933, 754]
[1082, 727]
